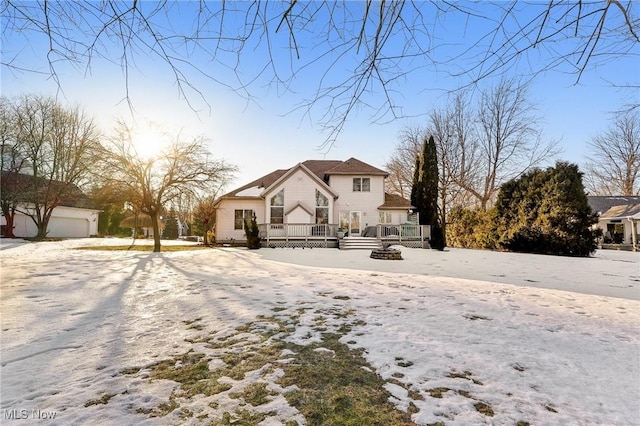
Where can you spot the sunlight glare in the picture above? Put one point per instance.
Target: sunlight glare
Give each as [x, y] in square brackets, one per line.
[148, 140]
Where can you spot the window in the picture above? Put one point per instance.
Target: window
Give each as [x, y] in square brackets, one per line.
[361, 184]
[322, 208]
[240, 217]
[384, 217]
[277, 208]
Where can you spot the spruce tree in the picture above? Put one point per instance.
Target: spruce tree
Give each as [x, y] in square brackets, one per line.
[170, 231]
[424, 192]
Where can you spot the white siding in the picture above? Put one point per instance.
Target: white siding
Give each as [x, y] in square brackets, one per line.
[65, 222]
[225, 217]
[365, 202]
[298, 215]
[299, 188]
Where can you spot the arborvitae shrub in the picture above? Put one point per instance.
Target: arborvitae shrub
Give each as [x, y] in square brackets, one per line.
[253, 233]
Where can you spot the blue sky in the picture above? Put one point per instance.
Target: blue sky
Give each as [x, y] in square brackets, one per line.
[268, 132]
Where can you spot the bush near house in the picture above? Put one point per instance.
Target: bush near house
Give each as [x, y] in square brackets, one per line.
[253, 233]
[471, 228]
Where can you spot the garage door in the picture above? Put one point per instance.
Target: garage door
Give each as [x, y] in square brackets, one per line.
[64, 227]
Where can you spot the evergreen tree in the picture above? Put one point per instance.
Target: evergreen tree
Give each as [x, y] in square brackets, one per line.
[546, 211]
[424, 192]
[170, 226]
[253, 233]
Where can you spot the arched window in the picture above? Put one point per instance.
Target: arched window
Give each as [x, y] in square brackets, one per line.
[277, 208]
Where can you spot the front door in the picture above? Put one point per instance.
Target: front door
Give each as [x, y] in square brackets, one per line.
[354, 223]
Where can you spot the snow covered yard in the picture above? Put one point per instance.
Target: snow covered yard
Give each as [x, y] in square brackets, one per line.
[107, 337]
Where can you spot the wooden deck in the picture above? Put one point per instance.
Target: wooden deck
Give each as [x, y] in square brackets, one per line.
[327, 235]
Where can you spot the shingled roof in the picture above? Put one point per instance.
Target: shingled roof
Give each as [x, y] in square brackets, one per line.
[622, 211]
[394, 202]
[321, 168]
[600, 204]
[23, 188]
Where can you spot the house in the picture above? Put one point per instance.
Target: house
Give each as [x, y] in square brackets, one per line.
[75, 217]
[314, 203]
[619, 220]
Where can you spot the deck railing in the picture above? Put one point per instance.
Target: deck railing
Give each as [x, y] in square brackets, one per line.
[402, 232]
[310, 231]
[298, 231]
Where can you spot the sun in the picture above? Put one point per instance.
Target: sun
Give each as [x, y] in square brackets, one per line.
[148, 140]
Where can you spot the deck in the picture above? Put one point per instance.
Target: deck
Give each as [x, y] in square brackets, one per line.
[328, 235]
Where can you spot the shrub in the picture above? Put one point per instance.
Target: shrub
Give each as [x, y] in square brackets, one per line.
[253, 233]
[471, 228]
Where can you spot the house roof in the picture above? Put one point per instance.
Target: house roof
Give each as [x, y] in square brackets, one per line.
[622, 212]
[395, 202]
[23, 188]
[291, 171]
[600, 204]
[322, 169]
[353, 166]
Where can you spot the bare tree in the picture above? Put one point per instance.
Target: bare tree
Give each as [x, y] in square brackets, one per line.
[57, 148]
[401, 164]
[455, 148]
[381, 43]
[11, 164]
[183, 167]
[613, 166]
[509, 142]
[204, 216]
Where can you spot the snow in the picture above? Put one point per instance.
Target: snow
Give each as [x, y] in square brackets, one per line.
[542, 339]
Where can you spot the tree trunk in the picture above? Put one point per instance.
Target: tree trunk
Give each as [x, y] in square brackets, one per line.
[156, 232]
[8, 233]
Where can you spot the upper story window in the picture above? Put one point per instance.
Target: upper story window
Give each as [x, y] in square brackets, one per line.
[322, 208]
[277, 207]
[361, 184]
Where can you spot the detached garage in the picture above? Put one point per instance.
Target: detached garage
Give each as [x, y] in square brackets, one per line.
[65, 222]
[75, 217]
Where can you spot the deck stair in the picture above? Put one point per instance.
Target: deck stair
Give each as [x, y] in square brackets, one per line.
[359, 243]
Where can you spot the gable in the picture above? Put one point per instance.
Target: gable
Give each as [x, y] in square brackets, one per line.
[296, 176]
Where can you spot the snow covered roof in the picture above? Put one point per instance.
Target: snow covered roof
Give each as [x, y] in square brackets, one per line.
[622, 212]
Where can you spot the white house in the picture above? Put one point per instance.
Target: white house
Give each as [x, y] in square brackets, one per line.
[619, 220]
[65, 222]
[75, 217]
[314, 203]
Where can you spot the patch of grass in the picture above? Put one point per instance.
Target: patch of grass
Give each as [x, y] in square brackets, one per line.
[243, 417]
[255, 394]
[464, 375]
[437, 392]
[340, 389]
[165, 408]
[484, 408]
[104, 399]
[341, 297]
[400, 362]
[337, 390]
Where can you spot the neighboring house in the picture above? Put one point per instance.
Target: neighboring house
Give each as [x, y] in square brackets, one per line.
[314, 203]
[75, 217]
[619, 219]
